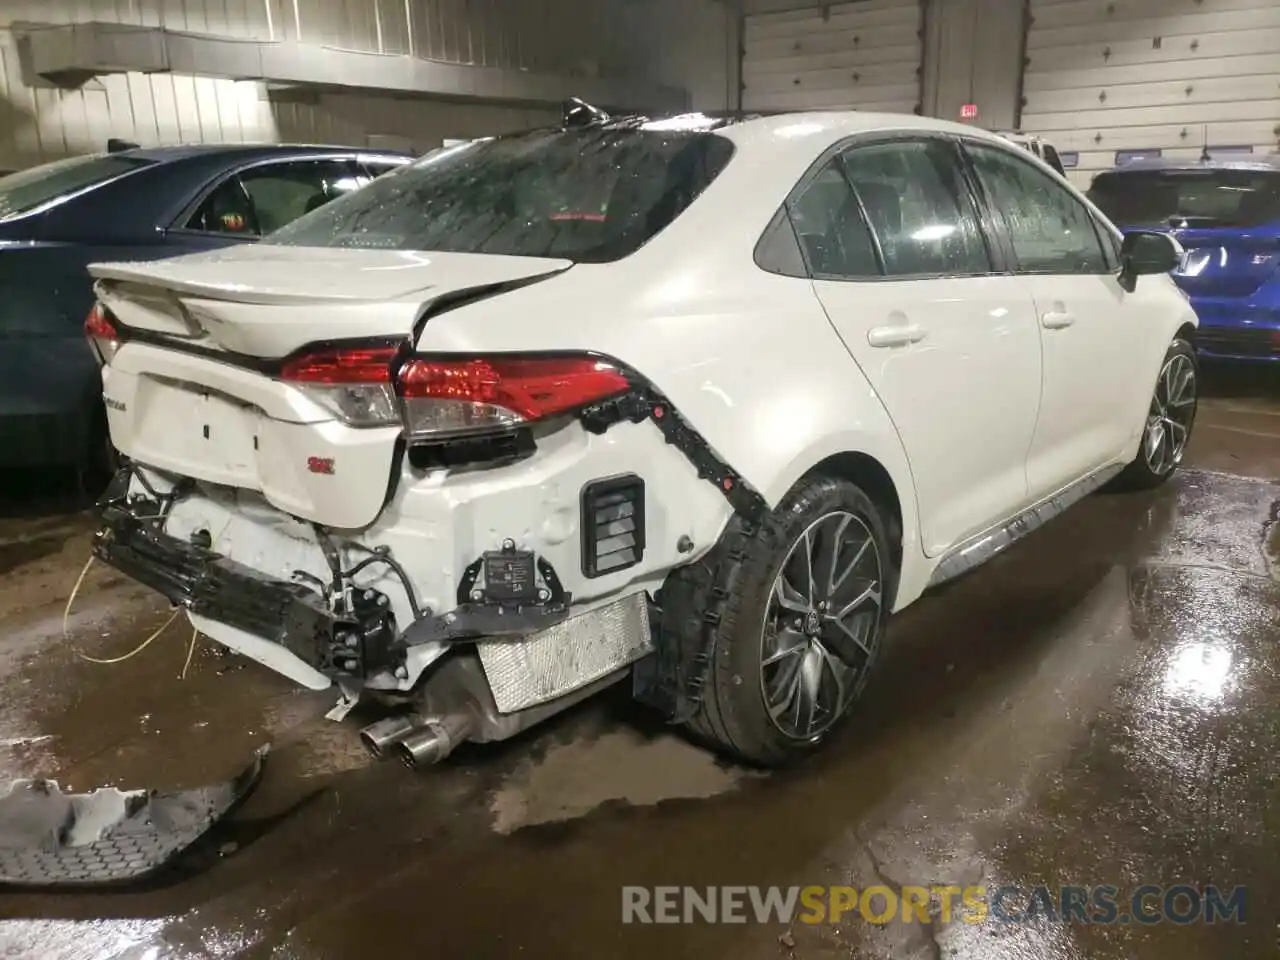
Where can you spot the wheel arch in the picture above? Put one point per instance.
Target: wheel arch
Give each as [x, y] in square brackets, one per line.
[878, 464]
[870, 474]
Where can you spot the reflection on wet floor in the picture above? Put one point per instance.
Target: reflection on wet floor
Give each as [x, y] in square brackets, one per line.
[1097, 706]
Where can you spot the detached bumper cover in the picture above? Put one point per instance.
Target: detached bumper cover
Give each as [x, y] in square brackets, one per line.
[50, 838]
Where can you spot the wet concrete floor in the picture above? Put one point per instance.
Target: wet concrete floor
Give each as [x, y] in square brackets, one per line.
[1100, 705]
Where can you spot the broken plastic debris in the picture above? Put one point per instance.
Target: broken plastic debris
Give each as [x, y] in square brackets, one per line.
[25, 741]
[340, 709]
[51, 838]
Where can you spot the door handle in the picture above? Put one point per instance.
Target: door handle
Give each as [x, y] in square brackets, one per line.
[1057, 320]
[898, 335]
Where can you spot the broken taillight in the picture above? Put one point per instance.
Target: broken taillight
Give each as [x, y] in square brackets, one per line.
[102, 333]
[435, 396]
[446, 395]
[352, 383]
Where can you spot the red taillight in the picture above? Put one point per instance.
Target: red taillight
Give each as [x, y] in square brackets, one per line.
[341, 365]
[353, 383]
[436, 396]
[102, 333]
[530, 387]
[98, 324]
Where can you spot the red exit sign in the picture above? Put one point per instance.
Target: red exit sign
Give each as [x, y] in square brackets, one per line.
[969, 111]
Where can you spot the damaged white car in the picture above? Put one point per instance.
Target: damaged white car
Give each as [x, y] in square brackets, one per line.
[692, 403]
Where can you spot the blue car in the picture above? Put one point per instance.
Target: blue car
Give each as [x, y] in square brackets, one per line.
[131, 204]
[1226, 214]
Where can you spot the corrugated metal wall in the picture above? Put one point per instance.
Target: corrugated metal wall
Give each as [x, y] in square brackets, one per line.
[862, 55]
[683, 42]
[1110, 76]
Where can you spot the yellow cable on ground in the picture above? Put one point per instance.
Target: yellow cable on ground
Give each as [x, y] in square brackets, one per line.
[139, 648]
[191, 648]
[66, 611]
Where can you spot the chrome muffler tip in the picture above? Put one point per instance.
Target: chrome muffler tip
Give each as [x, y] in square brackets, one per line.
[434, 740]
[381, 735]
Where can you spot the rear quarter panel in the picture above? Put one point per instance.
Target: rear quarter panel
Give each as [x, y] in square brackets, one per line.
[749, 358]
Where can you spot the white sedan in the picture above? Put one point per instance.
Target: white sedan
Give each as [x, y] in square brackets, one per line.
[693, 403]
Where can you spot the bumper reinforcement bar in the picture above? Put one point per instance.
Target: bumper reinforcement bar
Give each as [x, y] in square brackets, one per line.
[291, 614]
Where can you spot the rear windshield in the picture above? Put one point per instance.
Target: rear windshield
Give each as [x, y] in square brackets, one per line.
[1191, 198]
[592, 195]
[28, 189]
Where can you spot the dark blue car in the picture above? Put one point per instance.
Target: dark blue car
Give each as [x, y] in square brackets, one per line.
[1226, 214]
[133, 204]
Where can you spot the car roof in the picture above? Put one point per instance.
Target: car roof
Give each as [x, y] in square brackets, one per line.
[249, 151]
[1263, 163]
[806, 134]
[799, 130]
[787, 125]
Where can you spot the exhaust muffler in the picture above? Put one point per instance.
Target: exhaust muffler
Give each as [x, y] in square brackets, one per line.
[434, 740]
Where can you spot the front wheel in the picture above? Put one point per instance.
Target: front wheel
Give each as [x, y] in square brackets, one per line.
[1170, 418]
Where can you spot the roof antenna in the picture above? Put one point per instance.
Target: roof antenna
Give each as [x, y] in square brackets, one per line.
[1205, 156]
[116, 145]
[579, 113]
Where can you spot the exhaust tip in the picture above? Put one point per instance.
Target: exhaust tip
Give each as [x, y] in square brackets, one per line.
[371, 745]
[405, 756]
[379, 736]
[434, 740]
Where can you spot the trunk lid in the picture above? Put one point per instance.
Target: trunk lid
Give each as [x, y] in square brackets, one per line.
[266, 301]
[200, 397]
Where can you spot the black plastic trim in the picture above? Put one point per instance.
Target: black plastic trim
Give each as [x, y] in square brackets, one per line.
[644, 402]
[591, 493]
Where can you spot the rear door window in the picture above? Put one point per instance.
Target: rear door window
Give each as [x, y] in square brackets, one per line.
[1198, 198]
[283, 192]
[264, 198]
[227, 209]
[831, 230]
[919, 208]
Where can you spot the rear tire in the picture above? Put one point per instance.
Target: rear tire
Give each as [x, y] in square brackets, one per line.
[795, 616]
[1170, 419]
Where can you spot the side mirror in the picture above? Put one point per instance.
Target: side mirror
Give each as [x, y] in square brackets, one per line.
[1144, 253]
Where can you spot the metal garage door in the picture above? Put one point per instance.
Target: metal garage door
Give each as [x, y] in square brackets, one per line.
[1109, 80]
[863, 55]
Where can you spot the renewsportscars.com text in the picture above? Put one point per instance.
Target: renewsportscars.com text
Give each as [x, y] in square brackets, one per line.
[1104, 904]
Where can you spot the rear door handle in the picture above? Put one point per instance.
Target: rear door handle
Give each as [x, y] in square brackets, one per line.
[898, 335]
[1057, 320]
